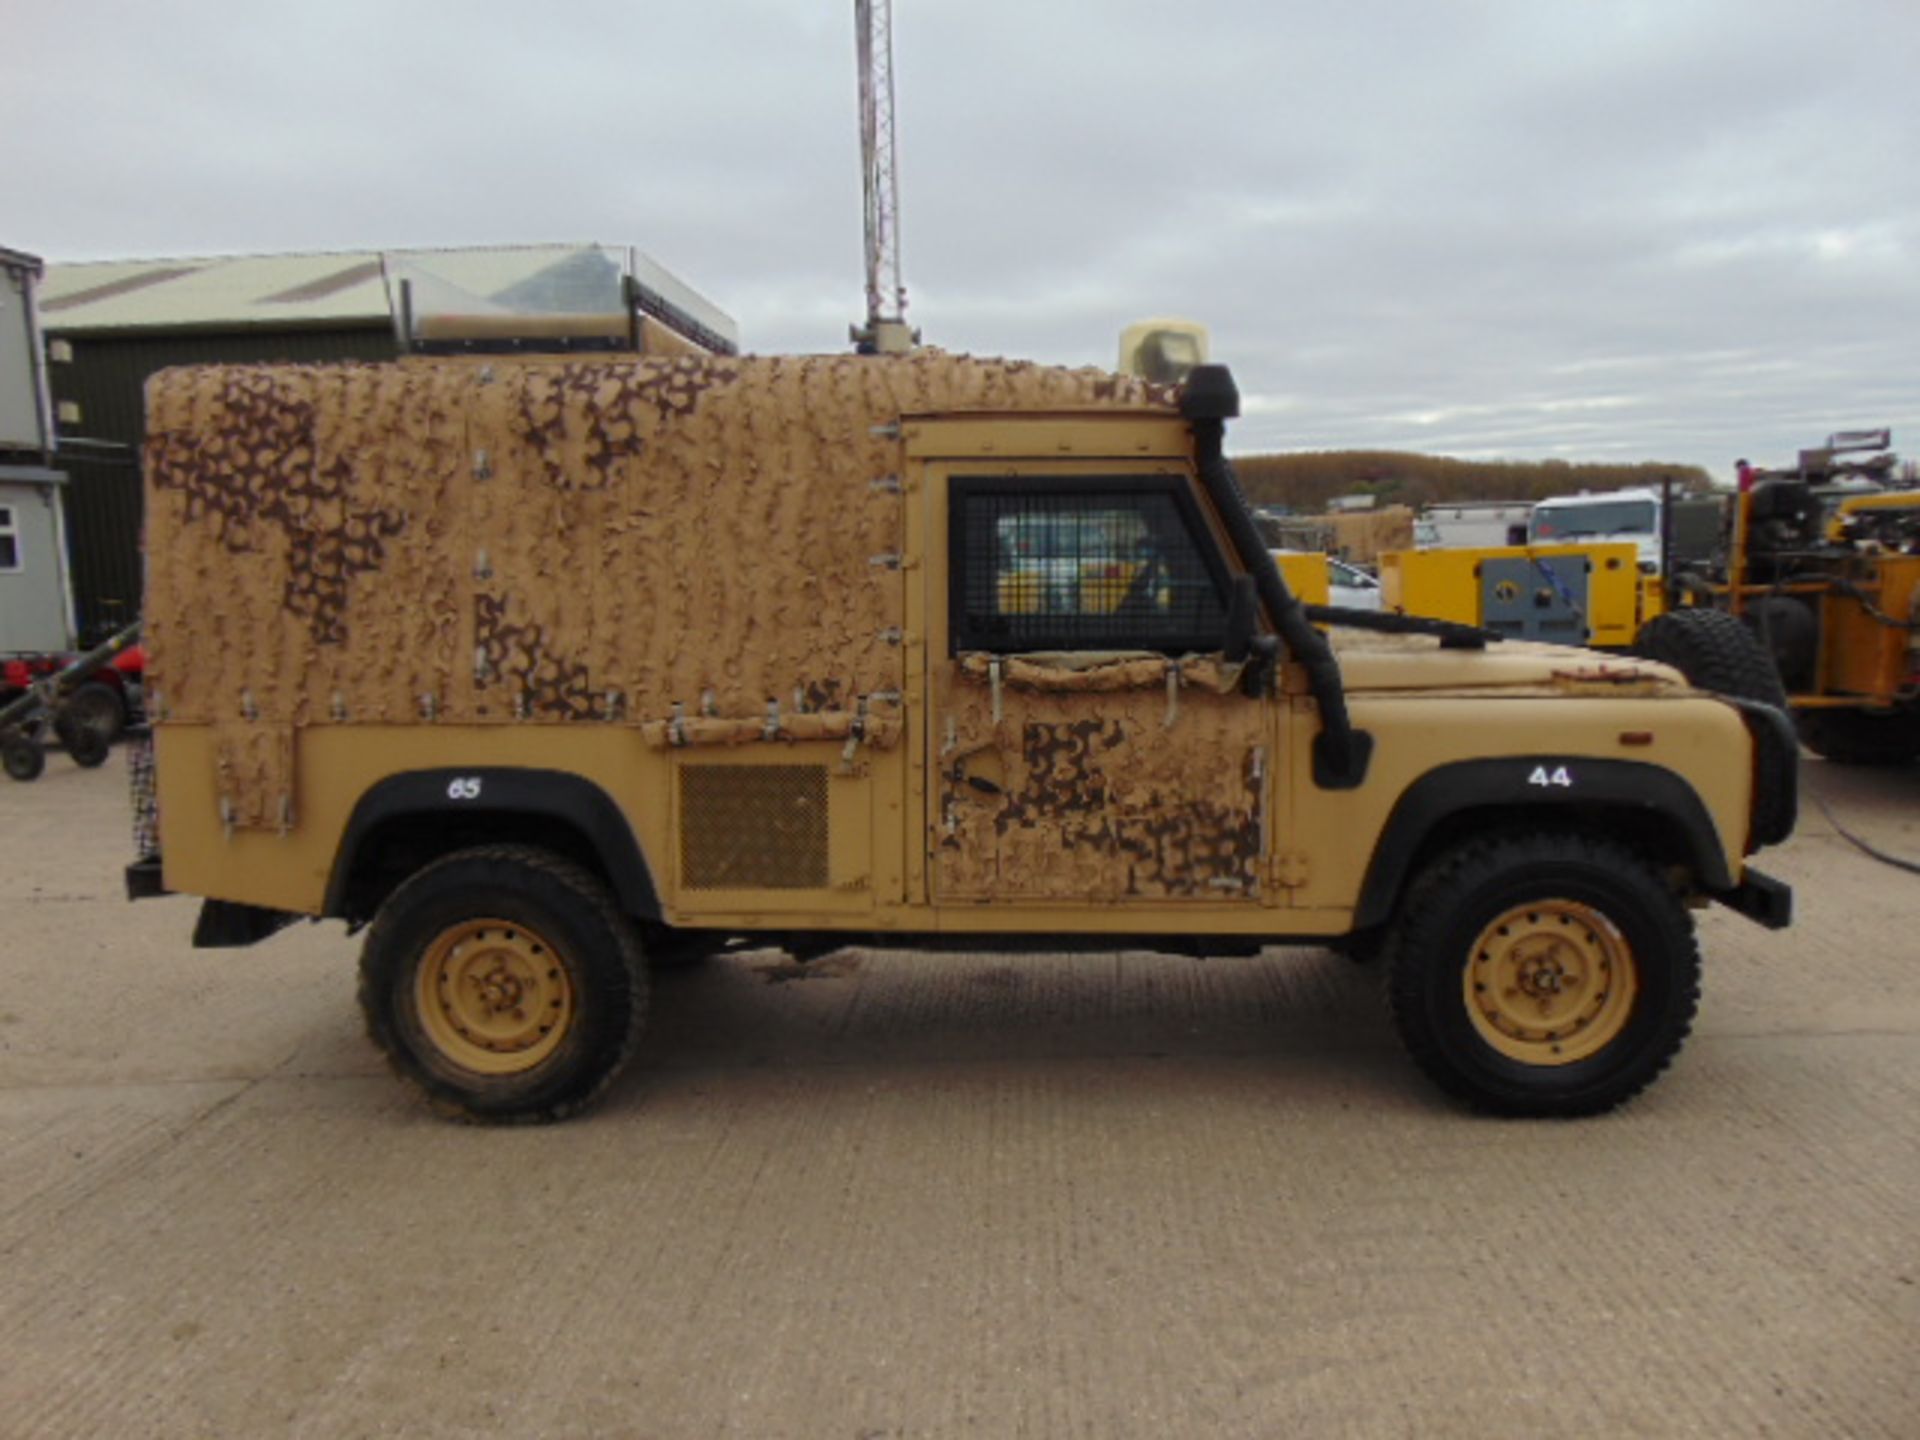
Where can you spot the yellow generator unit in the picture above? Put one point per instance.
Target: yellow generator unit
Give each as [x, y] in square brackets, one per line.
[1306, 575]
[1591, 595]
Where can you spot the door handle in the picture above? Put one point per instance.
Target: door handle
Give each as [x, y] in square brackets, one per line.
[981, 771]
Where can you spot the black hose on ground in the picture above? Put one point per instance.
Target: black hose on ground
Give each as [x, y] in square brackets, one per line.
[1865, 847]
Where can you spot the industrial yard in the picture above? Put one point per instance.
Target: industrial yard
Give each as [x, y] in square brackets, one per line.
[735, 849]
[995, 1195]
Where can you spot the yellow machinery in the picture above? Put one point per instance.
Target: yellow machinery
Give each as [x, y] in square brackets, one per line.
[1074, 587]
[1594, 595]
[1832, 586]
[1306, 575]
[1087, 563]
[1859, 511]
[1100, 586]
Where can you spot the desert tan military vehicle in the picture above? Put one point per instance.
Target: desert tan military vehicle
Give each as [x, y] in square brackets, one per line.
[549, 669]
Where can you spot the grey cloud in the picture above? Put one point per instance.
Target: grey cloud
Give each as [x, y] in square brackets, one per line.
[1683, 230]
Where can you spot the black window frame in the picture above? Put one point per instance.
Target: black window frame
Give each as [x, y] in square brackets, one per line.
[1035, 485]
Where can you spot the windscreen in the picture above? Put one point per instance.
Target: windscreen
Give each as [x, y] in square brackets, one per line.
[1611, 517]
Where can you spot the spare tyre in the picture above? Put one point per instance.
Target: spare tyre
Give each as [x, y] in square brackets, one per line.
[1717, 652]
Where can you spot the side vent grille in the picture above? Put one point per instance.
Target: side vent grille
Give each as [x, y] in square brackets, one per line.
[758, 827]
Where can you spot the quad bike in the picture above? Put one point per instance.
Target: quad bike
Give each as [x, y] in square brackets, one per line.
[83, 714]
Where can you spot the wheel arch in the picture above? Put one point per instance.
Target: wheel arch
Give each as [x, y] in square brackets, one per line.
[1645, 805]
[411, 819]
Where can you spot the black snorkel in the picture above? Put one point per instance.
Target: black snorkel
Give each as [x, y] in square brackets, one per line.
[1207, 401]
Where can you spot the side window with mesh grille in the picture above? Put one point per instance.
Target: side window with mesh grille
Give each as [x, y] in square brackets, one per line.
[1113, 563]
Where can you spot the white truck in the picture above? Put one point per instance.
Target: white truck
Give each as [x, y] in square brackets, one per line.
[1471, 523]
[1632, 516]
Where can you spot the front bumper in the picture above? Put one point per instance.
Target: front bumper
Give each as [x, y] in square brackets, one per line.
[1761, 898]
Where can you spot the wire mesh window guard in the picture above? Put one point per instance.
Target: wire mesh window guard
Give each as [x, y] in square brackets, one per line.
[1106, 564]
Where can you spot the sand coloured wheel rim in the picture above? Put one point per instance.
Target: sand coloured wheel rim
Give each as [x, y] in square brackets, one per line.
[493, 996]
[1550, 982]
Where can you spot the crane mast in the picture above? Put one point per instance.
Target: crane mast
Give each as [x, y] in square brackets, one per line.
[886, 330]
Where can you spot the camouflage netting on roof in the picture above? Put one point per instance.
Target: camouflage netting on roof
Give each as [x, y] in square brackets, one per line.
[556, 540]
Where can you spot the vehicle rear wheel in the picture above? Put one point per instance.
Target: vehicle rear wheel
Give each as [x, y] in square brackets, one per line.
[96, 707]
[1856, 737]
[1543, 973]
[505, 984]
[88, 747]
[23, 758]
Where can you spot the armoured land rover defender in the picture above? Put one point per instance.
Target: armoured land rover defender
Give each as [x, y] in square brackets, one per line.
[547, 669]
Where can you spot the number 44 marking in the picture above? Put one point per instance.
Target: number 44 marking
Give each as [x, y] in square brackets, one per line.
[1558, 776]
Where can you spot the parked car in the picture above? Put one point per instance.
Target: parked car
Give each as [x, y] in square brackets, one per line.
[1350, 587]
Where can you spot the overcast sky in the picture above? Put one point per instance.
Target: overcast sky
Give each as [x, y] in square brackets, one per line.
[1678, 231]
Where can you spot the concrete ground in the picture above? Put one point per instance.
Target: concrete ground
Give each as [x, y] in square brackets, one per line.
[952, 1196]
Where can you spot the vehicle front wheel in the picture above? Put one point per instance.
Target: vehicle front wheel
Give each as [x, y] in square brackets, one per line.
[505, 984]
[24, 759]
[1543, 973]
[88, 747]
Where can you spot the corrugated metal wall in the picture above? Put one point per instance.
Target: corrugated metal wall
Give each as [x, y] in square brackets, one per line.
[106, 378]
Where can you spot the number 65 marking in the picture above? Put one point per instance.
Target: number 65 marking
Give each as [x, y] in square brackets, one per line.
[464, 787]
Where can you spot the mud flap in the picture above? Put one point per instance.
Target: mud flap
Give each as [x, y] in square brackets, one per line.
[229, 925]
[1761, 898]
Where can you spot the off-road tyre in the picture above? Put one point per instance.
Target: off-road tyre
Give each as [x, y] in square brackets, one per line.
[87, 747]
[1549, 885]
[516, 906]
[23, 758]
[1717, 652]
[1363, 947]
[98, 707]
[1854, 737]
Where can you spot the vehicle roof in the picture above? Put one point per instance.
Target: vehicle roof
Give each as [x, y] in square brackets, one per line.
[1600, 497]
